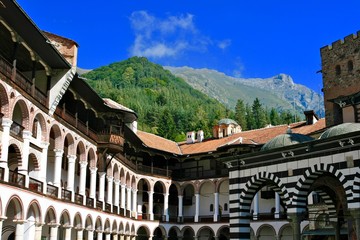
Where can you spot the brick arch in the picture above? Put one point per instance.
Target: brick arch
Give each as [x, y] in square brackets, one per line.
[33, 156]
[356, 191]
[91, 157]
[78, 223]
[254, 185]
[89, 223]
[35, 207]
[59, 141]
[98, 224]
[19, 207]
[304, 184]
[82, 151]
[220, 182]
[114, 227]
[213, 184]
[24, 108]
[43, 126]
[250, 189]
[71, 149]
[51, 212]
[121, 228]
[265, 226]
[65, 213]
[18, 151]
[328, 201]
[4, 101]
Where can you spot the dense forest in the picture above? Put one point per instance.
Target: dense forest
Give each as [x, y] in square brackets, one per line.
[167, 106]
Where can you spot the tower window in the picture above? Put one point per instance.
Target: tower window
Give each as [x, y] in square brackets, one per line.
[338, 70]
[350, 66]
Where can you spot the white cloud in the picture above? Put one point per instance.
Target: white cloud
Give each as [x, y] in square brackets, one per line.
[224, 44]
[168, 37]
[239, 68]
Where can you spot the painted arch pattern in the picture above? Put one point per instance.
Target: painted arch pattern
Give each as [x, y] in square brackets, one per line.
[293, 193]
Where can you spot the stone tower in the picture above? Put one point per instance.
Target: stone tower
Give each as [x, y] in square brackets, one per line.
[341, 80]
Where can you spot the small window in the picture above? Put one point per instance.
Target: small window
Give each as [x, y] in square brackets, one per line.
[225, 207]
[211, 207]
[338, 70]
[350, 66]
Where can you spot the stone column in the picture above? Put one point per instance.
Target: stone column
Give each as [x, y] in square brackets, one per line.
[23, 169]
[54, 228]
[42, 174]
[6, 124]
[116, 192]
[134, 191]
[109, 189]
[180, 211]
[79, 234]
[67, 233]
[197, 206]
[57, 167]
[151, 205]
[216, 207]
[166, 206]
[128, 203]
[90, 234]
[123, 196]
[256, 206]
[92, 194]
[295, 223]
[99, 235]
[38, 231]
[277, 206]
[83, 165]
[19, 230]
[101, 186]
[71, 172]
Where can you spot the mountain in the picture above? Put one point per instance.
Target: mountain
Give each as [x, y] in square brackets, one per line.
[279, 92]
[165, 104]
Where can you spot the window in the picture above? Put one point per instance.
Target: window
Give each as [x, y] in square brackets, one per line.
[350, 66]
[338, 70]
[211, 207]
[225, 207]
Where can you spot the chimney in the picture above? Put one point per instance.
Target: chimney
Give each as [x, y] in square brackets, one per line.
[190, 137]
[200, 136]
[311, 117]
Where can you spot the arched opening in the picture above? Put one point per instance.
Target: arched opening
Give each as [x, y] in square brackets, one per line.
[224, 233]
[89, 229]
[158, 198]
[32, 221]
[20, 118]
[13, 212]
[173, 233]
[64, 231]
[189, 203]
[142, 233]
[266, 233]
[188, 234]
[143, 198]
[206, 233]
[173, 203]
[158, 234]
[207, 208]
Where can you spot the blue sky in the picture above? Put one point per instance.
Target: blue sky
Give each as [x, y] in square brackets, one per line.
[240, 38]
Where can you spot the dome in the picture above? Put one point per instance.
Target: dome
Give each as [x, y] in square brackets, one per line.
[340, 129]
[286, 139]
[227, 121]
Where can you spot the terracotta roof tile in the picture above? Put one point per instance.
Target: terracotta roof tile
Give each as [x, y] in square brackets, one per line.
[258, 136]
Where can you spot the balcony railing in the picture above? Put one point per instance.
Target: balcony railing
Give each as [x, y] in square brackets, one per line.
[52, 191]
[65, 194]
[16, 129]
[6, 70]
[79, 199]
[90, 202]
[115, 209]
[108, 207]
[99, 205]
[35, 185]
[2, 171]
[17, 178]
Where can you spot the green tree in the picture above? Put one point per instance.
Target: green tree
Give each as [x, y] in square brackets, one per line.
[250, 121]
[259, 114]
[240, 114]
[274, 117]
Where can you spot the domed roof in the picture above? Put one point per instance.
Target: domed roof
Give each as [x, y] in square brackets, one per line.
[340, 129]
[286, 139]
[227, 121]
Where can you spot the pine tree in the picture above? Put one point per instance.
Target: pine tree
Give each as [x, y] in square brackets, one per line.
[259, 114]
[240, 114]
[274, 117]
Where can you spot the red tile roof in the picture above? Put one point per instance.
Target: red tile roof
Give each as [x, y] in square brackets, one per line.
[258, 136]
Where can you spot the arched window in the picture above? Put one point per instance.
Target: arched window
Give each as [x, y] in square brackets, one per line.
[211, 207]
[350, 66]
[338, 70]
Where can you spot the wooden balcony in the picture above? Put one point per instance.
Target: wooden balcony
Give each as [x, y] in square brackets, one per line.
[35, 185]
[52, 191]
[16, 178]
